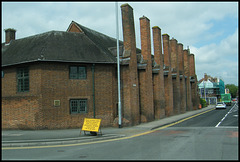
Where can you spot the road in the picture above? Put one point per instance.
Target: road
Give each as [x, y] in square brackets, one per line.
[209, 136]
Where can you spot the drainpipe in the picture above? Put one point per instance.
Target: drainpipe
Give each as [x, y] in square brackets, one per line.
[93, 89]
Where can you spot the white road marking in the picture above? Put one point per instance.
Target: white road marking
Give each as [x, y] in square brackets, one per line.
[231, 127]
[225, 116]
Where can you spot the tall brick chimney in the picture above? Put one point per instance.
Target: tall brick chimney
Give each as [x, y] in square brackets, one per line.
[145, 76]
[182, 78]
[174, 54]
[158, 79]
[187, 74]
[193, 83]
[129, 41]
[166, 50]
[192, 65]
[131, 109]
[157, 42]
[10, 35]
[145, 38]
[186, 62]
[168, 79]
[180, 57]
[176, 77]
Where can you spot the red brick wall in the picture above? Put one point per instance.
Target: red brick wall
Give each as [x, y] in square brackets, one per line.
[19, 112]
[67, 89]
[49, 82]
[19, 109]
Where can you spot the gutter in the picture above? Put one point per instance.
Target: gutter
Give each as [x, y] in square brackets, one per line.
[24, 62]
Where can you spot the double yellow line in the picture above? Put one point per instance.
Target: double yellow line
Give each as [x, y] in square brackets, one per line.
[109, 140]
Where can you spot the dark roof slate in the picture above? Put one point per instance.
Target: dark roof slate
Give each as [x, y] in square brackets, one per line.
[87, 47]
[57, 46]
[102, 40]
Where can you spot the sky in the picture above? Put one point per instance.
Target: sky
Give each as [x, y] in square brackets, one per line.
[209, 29]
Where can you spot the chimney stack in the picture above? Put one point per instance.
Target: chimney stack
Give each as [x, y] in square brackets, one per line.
[168, 79]
[145, 76]
[192, 65]
[166, 50]
[205, 76]
[158, 79]
[10, 35]
[174, 54]
[180, 57]
[131, 87]
[187, 74]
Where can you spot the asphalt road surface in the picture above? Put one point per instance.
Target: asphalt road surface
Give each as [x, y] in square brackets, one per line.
[210, 136]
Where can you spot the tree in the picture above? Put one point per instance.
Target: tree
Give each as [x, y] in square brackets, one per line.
[232, 89]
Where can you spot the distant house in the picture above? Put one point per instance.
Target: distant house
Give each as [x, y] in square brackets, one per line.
[211, 87]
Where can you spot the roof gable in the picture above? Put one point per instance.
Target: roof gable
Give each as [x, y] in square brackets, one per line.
[73, 27]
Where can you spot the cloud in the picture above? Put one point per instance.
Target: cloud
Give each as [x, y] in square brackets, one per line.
[218, 60]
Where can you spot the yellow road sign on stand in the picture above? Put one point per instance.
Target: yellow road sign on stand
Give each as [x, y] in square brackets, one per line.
[91, 125]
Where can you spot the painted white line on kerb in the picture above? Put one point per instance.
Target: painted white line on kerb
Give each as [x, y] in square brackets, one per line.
[224, 116]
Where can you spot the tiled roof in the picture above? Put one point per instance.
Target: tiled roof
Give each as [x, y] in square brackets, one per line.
[87, 47]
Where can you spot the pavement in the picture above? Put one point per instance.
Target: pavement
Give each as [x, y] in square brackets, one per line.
[21, 138]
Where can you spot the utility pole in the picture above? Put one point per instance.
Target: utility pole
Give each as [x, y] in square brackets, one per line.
[118, 71]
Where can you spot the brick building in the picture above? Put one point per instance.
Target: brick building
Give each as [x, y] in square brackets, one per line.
[55, 79]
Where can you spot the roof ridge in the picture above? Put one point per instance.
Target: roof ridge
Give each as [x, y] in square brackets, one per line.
[40, 34]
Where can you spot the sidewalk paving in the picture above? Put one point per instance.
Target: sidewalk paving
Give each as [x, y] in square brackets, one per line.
[15, 138]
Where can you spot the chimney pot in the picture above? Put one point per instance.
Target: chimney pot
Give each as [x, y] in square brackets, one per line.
[10, 34]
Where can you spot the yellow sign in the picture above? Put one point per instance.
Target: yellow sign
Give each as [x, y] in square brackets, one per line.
[91, 124]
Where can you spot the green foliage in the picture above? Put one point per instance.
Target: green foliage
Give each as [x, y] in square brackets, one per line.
[203, 102]
[232, 89]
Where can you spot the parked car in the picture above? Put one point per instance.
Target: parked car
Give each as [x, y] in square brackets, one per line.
[221, 105]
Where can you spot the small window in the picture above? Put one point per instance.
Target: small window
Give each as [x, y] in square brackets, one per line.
[77, 72]
[78, 106]
[2, 74]
[23, 79]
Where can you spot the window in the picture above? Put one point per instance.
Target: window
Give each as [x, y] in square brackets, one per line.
[77, 72]
[23, 80]
[78, 106]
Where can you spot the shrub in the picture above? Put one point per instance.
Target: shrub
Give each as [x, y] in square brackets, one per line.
[203, 102]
